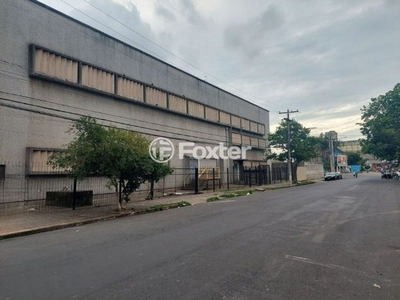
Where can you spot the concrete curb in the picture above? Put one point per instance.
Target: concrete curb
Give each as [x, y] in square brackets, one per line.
[79, 223]
[65, 225]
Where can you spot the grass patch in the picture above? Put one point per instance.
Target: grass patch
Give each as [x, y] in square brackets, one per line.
[229, 195]
[213, 199]
[244, 192]
[226, 195]
[161, 207]
[237, 193]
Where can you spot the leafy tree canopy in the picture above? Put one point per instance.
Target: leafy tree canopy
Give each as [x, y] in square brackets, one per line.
[353, 158]
[121, 156]
[381, 125]
[303, 147]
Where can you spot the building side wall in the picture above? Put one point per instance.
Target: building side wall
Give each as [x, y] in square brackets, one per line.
[41, 97]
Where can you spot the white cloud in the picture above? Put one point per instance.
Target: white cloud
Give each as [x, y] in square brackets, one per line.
[125, 3]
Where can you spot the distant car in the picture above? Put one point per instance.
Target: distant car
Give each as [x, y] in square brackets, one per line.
[387, 175]
[338, 175]
[330, 176]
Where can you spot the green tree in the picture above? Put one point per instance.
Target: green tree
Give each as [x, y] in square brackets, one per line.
[353, 158]
[303, 146]
[119, 155]
[381, 126]
[159, 171]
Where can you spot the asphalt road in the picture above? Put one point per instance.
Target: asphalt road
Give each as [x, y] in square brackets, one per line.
[330, 240]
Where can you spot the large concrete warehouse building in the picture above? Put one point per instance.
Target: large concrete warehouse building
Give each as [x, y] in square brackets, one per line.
[55, 69]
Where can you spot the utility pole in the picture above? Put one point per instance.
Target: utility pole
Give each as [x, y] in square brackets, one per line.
[332, 155]
[288, 112]
[332, 137]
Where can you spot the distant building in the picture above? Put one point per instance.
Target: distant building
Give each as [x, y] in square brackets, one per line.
[350, 146]
[354, 146]
[376, 164]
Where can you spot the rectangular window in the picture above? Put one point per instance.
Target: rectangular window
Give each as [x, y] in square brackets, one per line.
[245, 124]
[196, 109]
[177, 104]
[254, 142]
[212, 114]
[235, 121]
[156, 97]
[261, 128]
[253, 126]
[53, 65]
[224, 118]
[97, 79]
[262, 143]
[246, 140]
[236, 139]
[37, 162]
[130, 89]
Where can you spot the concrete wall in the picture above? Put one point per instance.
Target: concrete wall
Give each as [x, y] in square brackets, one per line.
[301, 173]
[310, 171]
[314, 171]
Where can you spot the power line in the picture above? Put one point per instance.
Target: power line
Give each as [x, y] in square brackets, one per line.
[167, 74]
[53, 112]
[97, 112]
[206, 141]
[24, 79]
[141, 62]
[161, 47]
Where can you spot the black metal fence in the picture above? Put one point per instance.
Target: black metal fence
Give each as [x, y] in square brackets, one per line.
[23, 190]
[279, 172]
[217, 179]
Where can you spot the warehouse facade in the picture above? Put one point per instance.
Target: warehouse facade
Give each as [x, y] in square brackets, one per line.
[55, 69]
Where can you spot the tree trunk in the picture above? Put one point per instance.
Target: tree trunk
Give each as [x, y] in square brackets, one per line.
[294, 172]
[117, 196]
[119, 202]
[150, 196]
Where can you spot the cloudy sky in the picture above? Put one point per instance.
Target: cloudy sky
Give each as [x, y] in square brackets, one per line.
[324, 58]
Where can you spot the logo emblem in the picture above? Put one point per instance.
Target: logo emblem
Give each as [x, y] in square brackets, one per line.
[161, 150]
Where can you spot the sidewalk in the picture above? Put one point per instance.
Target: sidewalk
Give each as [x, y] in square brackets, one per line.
[40, 221]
